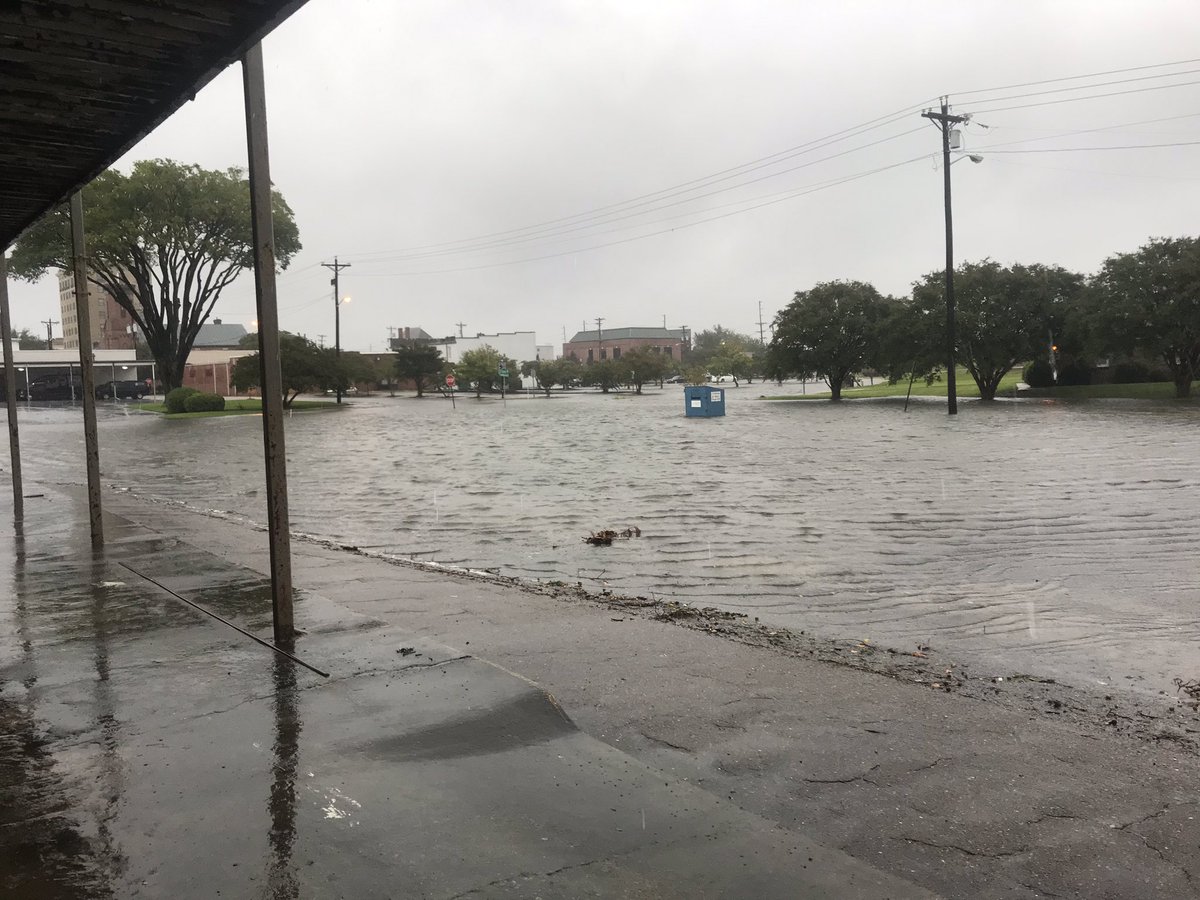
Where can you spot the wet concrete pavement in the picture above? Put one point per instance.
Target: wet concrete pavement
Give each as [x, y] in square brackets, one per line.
[1024, 791]
[147, 750]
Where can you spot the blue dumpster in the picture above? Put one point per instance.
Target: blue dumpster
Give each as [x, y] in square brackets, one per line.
[702, 400]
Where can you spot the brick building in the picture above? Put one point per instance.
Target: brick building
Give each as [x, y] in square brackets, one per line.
[112, 326]
[610, 343]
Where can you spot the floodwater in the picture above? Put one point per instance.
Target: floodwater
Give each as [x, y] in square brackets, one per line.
[1035, 537]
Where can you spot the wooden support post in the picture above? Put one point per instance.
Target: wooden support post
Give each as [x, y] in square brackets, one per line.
[87, 375]
[10, 392]
[268, 344]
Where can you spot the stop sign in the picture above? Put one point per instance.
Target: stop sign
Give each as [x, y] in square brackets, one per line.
[449, 381]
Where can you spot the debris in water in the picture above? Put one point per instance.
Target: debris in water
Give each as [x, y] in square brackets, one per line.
[605, 537]
[407, 651]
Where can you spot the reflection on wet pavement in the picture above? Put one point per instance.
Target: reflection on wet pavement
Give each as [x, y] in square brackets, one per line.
[147, 750]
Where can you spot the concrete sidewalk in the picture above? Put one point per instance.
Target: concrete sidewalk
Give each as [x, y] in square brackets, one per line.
[148, 750]
[1020, 792]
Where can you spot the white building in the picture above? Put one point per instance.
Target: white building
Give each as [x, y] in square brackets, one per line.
[520, 346]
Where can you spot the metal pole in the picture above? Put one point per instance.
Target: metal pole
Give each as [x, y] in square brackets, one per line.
[271, 379]
[337, 331]
[951, 373]
[88, 376]
[10, 392]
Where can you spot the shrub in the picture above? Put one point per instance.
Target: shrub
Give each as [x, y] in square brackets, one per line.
[1074, 370]
[1038, 374]
[1134, 371]
[177, 399]
[198, 402]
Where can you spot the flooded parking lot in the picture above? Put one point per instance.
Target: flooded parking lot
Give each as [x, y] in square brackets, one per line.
[1027, 537]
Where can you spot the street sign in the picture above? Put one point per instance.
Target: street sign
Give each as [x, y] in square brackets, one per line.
[449, 381]
[504, 371]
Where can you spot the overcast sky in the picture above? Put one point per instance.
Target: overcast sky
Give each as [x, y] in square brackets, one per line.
[423, 141]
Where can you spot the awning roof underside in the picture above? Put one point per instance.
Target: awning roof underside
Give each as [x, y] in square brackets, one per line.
[82, 81]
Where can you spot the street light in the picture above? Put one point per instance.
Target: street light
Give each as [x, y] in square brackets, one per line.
[337, 341]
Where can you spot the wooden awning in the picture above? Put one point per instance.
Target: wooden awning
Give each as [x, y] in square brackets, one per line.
[82, 81]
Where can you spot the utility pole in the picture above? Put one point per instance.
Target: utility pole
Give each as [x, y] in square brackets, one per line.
[944, 120]
[321, 340]
[599, 338]
[460, 326]
[762, 340]
[337, 267]
[49, 323]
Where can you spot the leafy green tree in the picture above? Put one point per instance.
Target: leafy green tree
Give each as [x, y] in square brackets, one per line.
[719, 342]
[165, 241]
[1149, 300]
[422, 364]
[606, 374]
[911, 342]
[1003, 314]
[734, 362]
[481, 368]
[549, 372]
[303, 365]
[831, 329]
[644, 365]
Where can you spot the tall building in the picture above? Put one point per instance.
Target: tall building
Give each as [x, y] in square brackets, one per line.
[112, 326]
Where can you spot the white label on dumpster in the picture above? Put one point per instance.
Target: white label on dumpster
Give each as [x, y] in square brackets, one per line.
[715, 397]
[696, 404]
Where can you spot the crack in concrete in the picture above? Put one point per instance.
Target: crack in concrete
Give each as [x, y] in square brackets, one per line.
[850, 779]
[924, 768]
[1128, 829]
[1000, 854]
[527, 875]
[665, 743]
[1145, 818]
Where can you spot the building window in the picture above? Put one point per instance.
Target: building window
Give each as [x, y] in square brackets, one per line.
[616, 352]
[589, 354]
[669, 353]
[603, 353]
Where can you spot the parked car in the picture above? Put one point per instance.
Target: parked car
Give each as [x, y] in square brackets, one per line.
[121, 390]
[56, 387]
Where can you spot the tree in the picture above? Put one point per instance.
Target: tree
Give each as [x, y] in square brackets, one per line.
[303, 365]
[165, 241]
[480, 367]
[606, 374]
[735, 362]
[645, 365]
[719, 342]
[549, 372]
[1003, 314]
[1149, 300]
[421, 364]
[27, 340]
[830, 329]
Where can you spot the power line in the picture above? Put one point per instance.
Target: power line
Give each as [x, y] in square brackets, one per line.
[788, 195]
[1088, 87]
[1089, 149]
[1159, 87]
[1009, 87]
[612, 217]
[809, 146]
